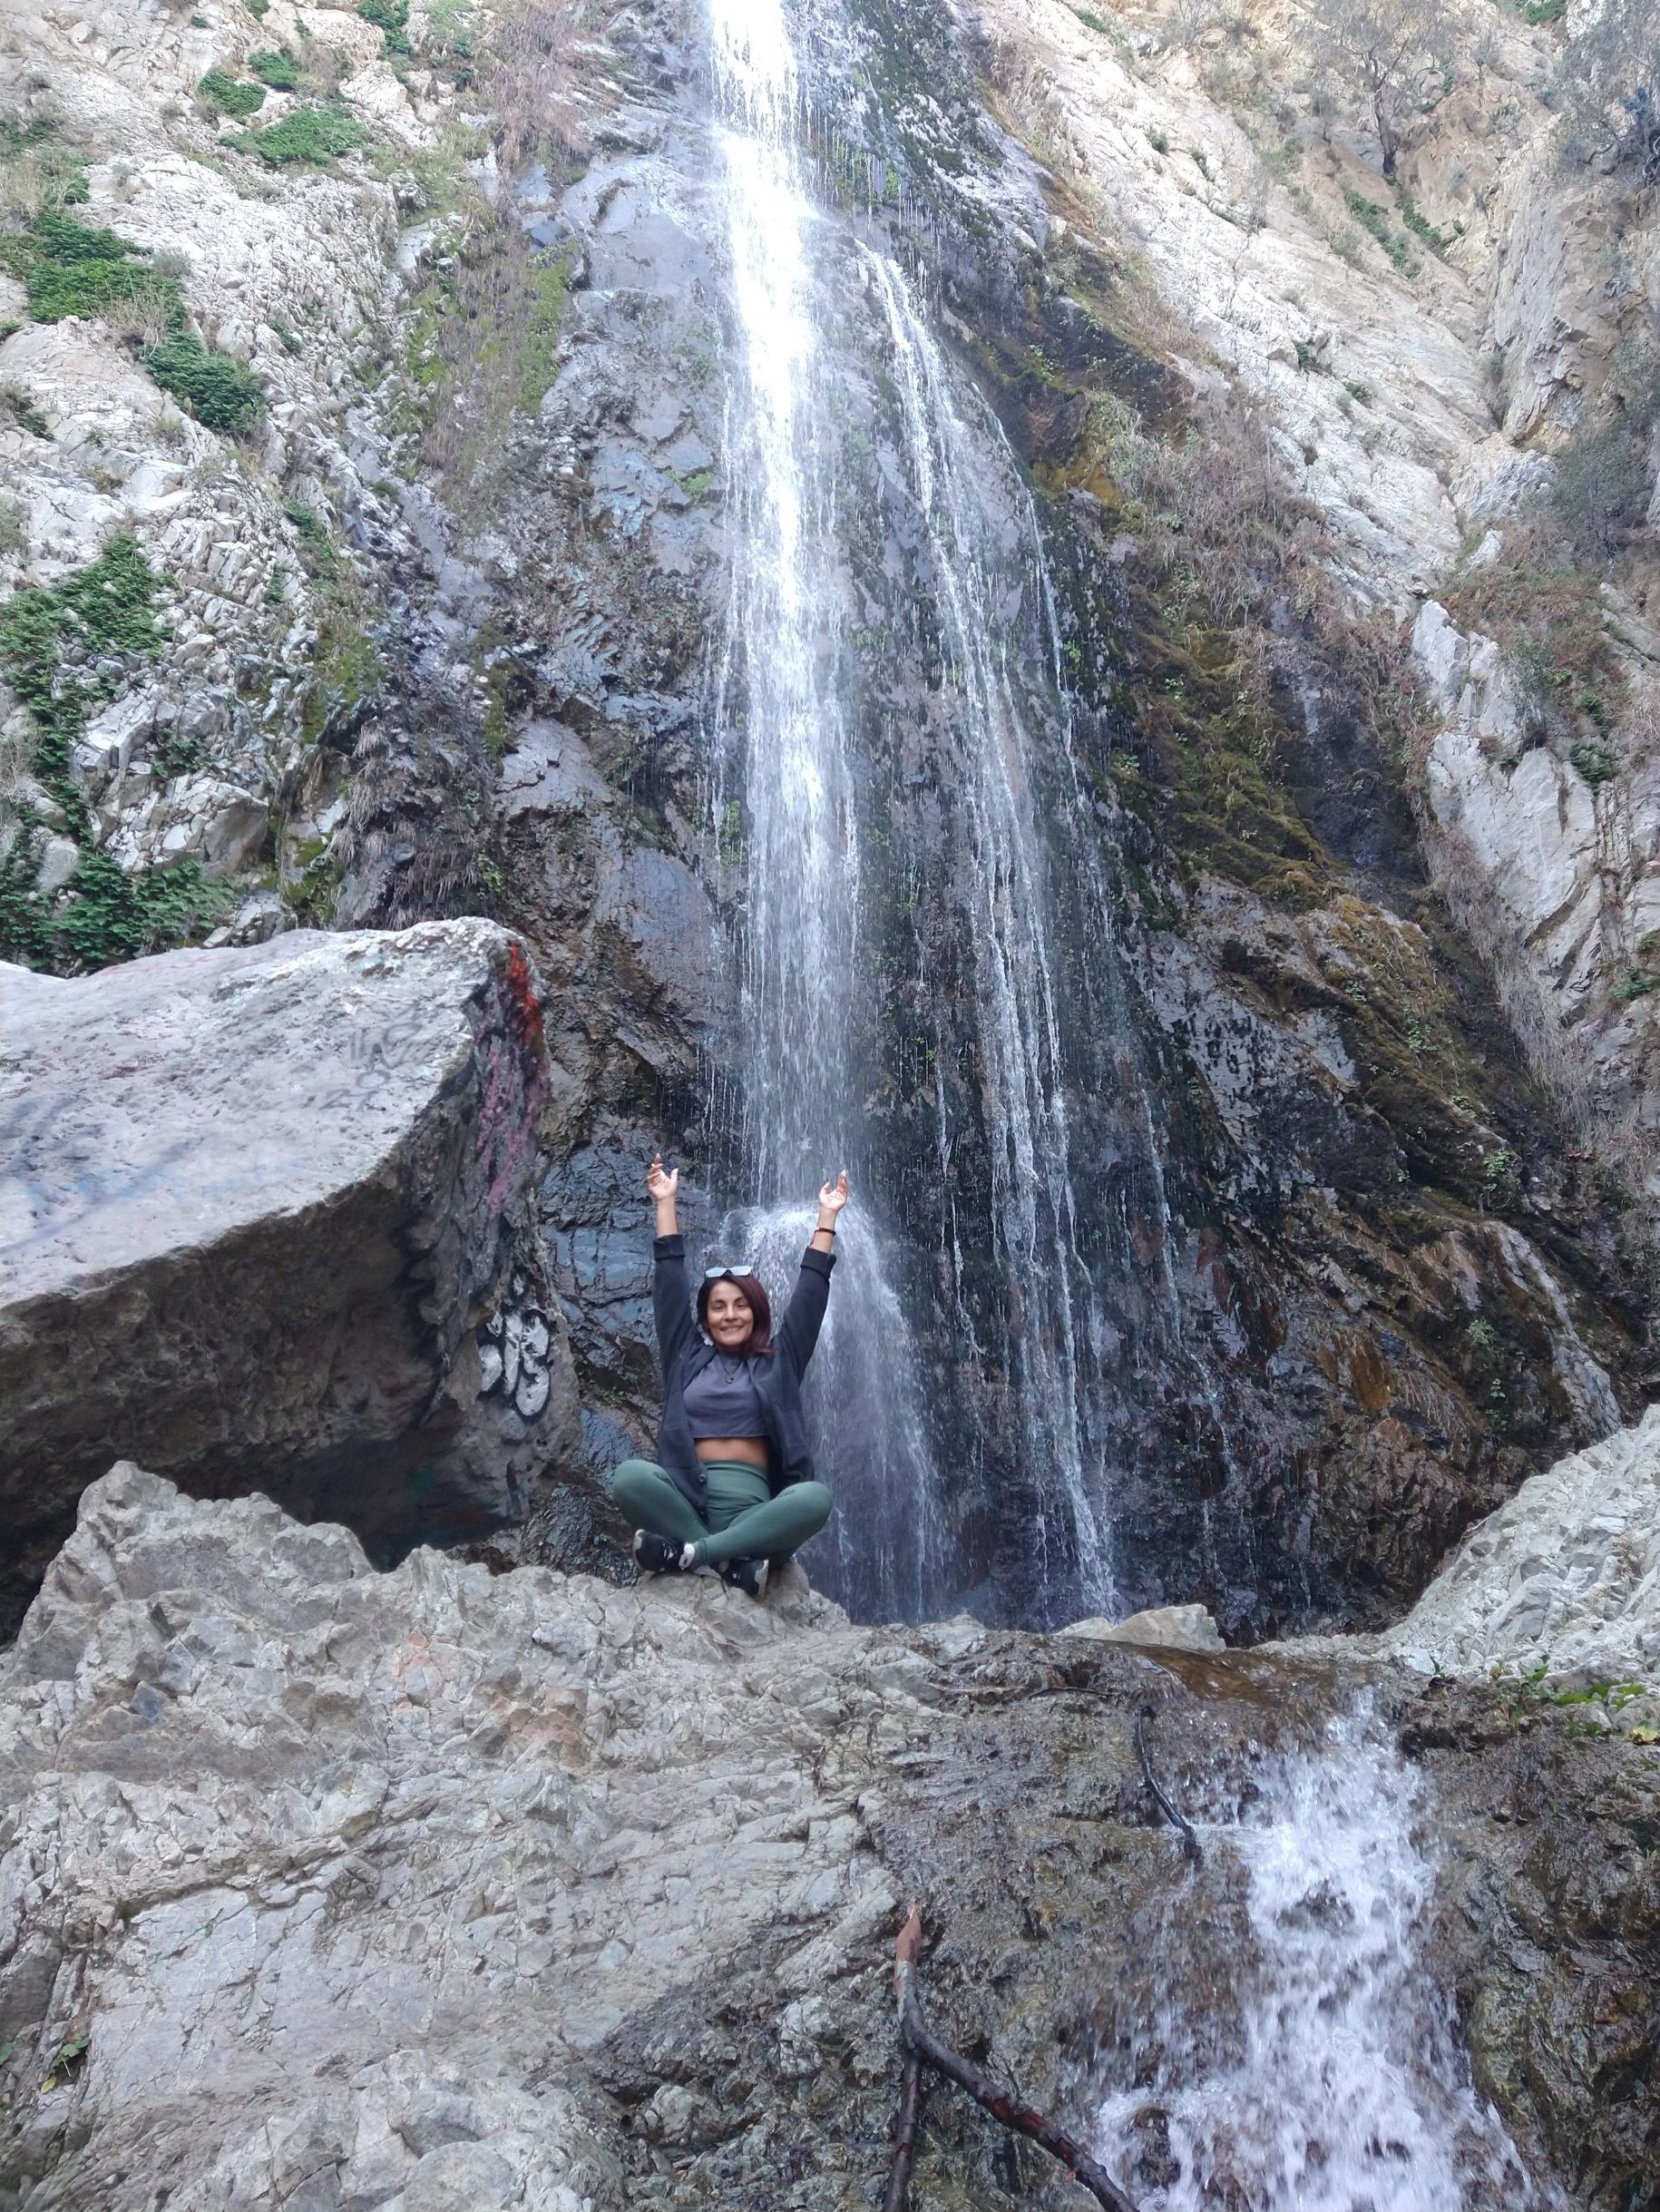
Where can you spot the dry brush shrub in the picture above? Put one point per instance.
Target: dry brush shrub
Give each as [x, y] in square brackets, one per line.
[494, 325]
[1608, 90]
[1393, 59]
[1238, 547]
[532, 78]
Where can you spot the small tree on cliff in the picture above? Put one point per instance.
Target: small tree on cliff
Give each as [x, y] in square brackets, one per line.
[1609, 88]
[1395, 55]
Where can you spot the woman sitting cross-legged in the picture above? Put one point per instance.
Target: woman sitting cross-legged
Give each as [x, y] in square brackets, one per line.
[734, 1489]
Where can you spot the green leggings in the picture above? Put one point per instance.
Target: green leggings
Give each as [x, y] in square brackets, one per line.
[743, 1521]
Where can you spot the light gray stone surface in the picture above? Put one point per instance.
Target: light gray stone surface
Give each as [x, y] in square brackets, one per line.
[1177, 1628]
[341, 1873]
[262, 1221]
[1566, 1576]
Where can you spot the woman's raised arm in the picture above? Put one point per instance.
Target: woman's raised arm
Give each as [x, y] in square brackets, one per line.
[804, 1316]
[832, 1198]
[664, 1184]
[670, 1291]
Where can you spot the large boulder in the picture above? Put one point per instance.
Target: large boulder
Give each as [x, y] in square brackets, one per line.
[264, 1223]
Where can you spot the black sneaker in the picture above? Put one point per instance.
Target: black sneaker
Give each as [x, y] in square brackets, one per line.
[749, 1575]
[659, 1554]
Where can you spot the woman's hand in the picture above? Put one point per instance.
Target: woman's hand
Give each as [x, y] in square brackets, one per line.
[664, 1184]
[832, 1198]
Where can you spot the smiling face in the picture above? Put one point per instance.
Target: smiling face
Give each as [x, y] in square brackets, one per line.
[729, 1317]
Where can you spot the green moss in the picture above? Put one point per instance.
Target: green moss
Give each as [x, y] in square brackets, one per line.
[347, 672]
[549, 290]
[226, 96]
[220, 392]
[311, 895]
[280, 69]
[730, 843]
[308, 135]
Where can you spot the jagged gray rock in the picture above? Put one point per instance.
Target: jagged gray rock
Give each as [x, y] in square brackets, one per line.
[432, 1891]
[1565, 1577]
[337, 1869]
[263, 1222]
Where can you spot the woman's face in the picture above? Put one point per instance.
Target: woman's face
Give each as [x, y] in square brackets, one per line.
[730, 1317]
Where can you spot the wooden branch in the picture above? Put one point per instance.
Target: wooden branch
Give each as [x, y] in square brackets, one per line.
[904, 2135]
[920, 2040]
[1190, 1842]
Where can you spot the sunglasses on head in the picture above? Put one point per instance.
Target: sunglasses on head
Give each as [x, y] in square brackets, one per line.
[738, 1268]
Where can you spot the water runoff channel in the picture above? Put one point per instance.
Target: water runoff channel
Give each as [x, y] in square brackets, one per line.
[1328, 2077]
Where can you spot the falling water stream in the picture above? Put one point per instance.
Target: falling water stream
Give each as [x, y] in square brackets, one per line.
[787, 743]
[779, 696]
[1327, 2075]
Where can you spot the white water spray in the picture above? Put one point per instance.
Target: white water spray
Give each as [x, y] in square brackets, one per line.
[1341, 2087]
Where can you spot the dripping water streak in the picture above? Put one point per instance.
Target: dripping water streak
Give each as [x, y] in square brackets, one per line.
[1019, 1021]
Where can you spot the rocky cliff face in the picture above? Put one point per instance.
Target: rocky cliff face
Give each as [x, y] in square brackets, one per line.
[431, 632]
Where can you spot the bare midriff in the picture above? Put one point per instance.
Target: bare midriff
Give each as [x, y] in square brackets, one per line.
[750, 1450]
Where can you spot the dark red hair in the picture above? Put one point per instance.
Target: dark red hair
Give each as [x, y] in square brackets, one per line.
[759, 1342]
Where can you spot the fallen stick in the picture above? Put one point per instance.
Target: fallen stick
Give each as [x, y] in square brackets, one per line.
[1190, 1842]
[904, 2135]
[918, 2040]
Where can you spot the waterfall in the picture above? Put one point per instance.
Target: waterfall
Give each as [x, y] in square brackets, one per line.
[814, 306]
[782, 734]
[1006, 922]
[1338, 2085]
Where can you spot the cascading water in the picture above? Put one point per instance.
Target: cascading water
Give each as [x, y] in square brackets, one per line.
[1337, 2084]
[1057, 1371]
[782, 730]
[965, 566]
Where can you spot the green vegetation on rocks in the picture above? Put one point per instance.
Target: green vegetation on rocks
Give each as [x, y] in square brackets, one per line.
[72, 267]
[310, 134]
[280, 69]
[229, 96]
[219, 391]
[65, 649]
[1375, 218]
[392, 19]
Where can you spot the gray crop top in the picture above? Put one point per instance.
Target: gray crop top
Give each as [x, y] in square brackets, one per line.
[723, 1401]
